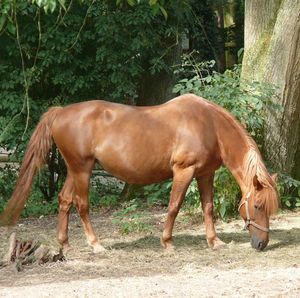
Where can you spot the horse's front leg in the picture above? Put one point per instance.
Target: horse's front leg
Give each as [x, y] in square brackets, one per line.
[205, 185]
[181, 181]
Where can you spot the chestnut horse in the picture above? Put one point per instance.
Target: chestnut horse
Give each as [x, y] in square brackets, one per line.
[184, 138]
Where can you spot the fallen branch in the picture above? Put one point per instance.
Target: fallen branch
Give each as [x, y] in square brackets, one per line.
[25, 252]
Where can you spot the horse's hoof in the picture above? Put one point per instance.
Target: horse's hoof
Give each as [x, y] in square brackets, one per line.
[66, 248]
[167, 245]
[216, 244]
[98, 248]
[219, 245]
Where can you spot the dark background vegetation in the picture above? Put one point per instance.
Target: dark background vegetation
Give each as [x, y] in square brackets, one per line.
[133, 52]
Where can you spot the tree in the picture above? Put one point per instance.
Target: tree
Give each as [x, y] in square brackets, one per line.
[85, 50]
[93, 49]
[272, 56]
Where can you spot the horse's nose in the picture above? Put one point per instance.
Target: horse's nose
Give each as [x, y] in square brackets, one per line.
[257, 243]
[260, 245]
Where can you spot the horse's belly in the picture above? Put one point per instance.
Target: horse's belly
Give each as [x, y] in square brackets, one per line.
[138, 173]
[134, 167]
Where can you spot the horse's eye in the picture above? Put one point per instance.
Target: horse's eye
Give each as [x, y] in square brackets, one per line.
[256, 207]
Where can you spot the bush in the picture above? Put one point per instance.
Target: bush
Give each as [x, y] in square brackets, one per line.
[246, 101]
[289, 190]
[227, 194]
[8, 174]
[91, 50]
[158, 194]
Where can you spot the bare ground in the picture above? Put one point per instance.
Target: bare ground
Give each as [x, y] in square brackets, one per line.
[135, 265]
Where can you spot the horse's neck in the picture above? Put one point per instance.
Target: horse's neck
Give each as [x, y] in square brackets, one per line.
[235, 147]
[235, 163]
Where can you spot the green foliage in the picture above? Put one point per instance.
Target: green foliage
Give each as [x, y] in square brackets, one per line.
[128, 208]
[192, 197]
[49, 5]
[158, 194]
[36, 206]
[56, 52]
[6, 17]
[157, 6]
[133, 225]
[103, 201]
[134, 220]
[289, 190]
[38, 202]
[88, 50]
[246, 101]
[226, 194]
[8, 174]
[104, 193]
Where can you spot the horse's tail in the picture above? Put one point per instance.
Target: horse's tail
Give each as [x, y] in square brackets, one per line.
[34, 158]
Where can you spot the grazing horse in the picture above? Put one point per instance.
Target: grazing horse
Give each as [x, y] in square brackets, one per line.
[187, 137]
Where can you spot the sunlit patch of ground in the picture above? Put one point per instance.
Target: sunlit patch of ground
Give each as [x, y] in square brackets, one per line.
[135, 265]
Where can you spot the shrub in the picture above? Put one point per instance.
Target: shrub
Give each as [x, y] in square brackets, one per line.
[289, 190]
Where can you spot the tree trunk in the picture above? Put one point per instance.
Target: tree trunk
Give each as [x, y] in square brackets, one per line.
[272, 55]
[221, 60]
[157, 88]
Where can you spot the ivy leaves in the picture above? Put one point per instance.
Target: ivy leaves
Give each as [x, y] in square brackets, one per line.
[7, 17]
[49, 5]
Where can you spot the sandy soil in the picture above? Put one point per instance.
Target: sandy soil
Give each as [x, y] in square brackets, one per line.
[136, 266]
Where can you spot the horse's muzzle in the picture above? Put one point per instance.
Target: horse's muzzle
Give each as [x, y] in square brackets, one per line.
[257, 243]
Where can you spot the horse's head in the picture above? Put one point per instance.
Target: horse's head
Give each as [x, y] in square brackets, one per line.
[256, 207]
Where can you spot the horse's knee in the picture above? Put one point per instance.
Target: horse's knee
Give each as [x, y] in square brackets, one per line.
[208, 208]
[64, 203]
[172, 213]
[82, 206]
[62, 238]
[174, 209]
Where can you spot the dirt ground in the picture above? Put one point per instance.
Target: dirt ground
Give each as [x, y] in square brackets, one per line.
[135, 265]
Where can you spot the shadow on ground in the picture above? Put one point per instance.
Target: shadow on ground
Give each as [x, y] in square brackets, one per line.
[282, 238]
[180, 241]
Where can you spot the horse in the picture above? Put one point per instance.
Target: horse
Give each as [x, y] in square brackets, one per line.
[185, 138]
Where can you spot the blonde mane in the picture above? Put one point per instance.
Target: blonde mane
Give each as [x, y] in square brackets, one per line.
[255, 169]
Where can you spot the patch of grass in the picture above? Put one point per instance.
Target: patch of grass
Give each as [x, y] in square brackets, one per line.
[129, 218]
[134, 225]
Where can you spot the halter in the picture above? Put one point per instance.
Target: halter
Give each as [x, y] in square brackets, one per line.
[248, 220]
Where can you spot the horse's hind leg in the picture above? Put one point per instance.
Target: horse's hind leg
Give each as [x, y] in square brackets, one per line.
[81, 188]
[181, 181]
[65, 198]
[205, 185]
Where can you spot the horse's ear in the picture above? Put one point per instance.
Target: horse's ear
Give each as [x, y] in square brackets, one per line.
[274, 177]
[257, 185]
